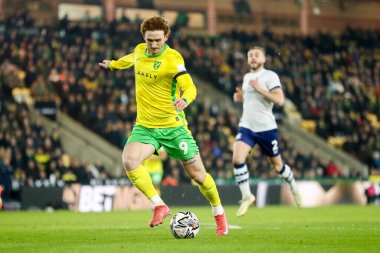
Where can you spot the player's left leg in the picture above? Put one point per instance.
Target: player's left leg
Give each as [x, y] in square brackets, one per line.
[286, 173]
[180, 144]
[206, 184]
[268, 141]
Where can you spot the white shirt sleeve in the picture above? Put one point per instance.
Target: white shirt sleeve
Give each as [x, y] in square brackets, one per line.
[274, 81]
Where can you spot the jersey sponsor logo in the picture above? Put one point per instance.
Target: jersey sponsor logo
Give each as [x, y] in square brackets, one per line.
[146, 74]
[181, 68]
[156, 65]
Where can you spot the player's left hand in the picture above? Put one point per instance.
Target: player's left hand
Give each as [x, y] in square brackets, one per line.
[180, 104]
[255, 85]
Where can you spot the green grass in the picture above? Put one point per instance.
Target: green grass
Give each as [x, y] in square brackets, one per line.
[271, 229]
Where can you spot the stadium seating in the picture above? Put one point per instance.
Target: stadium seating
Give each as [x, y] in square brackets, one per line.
[66, 65]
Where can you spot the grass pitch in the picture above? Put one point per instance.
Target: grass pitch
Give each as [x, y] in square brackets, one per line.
[271, 229]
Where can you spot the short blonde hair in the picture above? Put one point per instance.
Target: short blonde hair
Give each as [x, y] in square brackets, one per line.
[258, 48]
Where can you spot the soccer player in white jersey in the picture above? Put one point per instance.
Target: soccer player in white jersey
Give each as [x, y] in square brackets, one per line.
[261, 90]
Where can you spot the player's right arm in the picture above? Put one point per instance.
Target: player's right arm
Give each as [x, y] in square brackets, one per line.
[122, 63]
[238, 95]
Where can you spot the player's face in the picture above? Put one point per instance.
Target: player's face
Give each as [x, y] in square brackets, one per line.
[155, 41]
[256, 59]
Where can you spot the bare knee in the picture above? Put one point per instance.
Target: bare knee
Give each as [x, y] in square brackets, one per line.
[276, 163]
[240, 152]
[195, 169]
[197, 175]
[277, 167]
[238, 158]
[130, 162]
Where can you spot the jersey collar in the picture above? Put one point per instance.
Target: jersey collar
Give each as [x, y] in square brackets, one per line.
[258, 72]
[156, 55]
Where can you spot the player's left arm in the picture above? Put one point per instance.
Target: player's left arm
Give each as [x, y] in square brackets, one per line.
[185, 82]
[189, 91]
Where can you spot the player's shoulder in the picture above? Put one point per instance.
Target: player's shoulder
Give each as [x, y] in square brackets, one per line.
[173, 54]
[140, 47]
[270, 73]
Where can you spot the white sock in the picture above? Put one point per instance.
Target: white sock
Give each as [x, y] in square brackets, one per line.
[157, 201]
[287, 174]
[242, 179]
[217, 210]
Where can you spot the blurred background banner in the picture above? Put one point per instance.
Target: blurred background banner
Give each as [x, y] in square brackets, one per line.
[85, 198]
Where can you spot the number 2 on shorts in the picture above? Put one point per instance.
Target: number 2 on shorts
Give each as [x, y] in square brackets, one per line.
[183, 146]
[275, 146]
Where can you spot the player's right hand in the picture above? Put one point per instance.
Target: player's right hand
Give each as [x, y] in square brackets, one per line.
[238, 95]
[104, 64]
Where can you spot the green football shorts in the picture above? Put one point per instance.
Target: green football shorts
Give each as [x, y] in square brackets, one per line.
[177, 141]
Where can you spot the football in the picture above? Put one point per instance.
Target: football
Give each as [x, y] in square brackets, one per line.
[184, 225]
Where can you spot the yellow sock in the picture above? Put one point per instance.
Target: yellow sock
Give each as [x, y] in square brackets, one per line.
[141, 179]
[208, 189]
[157, 189]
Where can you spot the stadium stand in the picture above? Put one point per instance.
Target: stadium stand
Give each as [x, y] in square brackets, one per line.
[59, 64]
[333, 80]
[103, 103]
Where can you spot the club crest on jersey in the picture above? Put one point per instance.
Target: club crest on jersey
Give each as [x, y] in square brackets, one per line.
[156, 65]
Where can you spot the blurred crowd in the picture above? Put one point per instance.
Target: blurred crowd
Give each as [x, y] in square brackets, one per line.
[332, 80]
[31, 156]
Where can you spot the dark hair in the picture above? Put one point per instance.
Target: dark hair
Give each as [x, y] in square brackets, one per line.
[259, 48]
[155, 23]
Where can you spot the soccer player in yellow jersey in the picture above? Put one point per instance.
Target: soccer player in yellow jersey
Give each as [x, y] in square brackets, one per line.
[161, 75]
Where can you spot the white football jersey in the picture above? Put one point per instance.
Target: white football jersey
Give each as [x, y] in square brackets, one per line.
[257, 111]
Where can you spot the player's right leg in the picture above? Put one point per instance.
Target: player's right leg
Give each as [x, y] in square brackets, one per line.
[241, 173]
[140, 146]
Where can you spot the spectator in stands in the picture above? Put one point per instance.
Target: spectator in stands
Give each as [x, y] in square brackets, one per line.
[333, 170]
[242, 7]
[174, 174]
[6, 171]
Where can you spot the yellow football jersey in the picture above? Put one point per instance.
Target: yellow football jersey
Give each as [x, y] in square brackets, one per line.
[159, 79]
